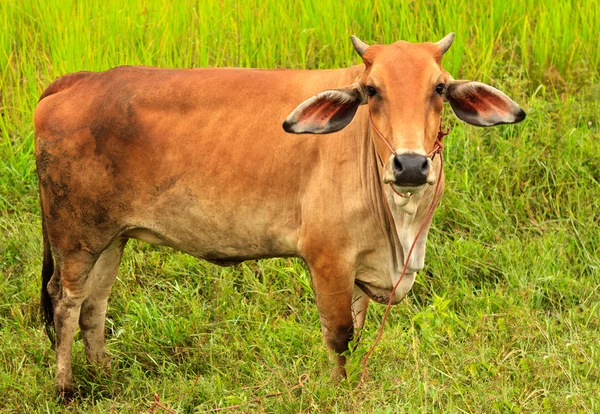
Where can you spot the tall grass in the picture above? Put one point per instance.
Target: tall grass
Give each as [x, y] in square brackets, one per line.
[544, 43]
[56, 37]
[505, 316]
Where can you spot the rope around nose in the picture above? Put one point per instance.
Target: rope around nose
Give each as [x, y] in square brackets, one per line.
[438, 148]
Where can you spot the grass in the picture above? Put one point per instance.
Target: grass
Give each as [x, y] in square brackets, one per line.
[505, 315]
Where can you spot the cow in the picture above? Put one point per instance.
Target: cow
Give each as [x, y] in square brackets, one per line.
[213, 162]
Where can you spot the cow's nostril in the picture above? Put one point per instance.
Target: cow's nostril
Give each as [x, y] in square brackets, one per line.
[411, 169]
[397, 163]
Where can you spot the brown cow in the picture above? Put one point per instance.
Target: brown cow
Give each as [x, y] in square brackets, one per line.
[197, 160]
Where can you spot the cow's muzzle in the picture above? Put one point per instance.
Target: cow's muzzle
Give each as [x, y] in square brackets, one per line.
[410, 170]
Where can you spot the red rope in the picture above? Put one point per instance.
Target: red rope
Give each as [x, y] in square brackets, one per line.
[437, 149]
[387, 143]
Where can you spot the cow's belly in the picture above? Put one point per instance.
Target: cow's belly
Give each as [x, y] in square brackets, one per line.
[224, 257]
[222, 242]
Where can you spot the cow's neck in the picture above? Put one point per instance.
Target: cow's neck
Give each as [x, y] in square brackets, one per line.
[408, 216]
[399, 219]
[395, 222]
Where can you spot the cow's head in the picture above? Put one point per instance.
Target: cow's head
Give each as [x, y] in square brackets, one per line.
[405, 87]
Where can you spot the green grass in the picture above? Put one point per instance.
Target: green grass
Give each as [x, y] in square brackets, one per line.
[505, 316]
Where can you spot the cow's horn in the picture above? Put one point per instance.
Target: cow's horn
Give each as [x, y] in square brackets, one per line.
[359, 45]
[446, 42]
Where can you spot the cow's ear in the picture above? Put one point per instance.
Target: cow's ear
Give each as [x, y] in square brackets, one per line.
[479, 104]
[327, 112]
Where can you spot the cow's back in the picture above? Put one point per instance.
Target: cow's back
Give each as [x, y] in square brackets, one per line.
[195, 159]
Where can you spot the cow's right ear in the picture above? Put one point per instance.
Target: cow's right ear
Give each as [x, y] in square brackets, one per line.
[327, 112]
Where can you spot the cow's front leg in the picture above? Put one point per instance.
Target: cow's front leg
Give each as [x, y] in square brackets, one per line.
[335, 312]
[360, 303]
[333, 291]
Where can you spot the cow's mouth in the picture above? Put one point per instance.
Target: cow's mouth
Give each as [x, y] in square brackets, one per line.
[378, 295]
[408, 188]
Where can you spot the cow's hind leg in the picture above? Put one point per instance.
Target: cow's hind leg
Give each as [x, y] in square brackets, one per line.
[68, 288]
[93, 310]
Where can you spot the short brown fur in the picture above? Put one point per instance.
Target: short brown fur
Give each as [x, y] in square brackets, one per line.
[197, 160]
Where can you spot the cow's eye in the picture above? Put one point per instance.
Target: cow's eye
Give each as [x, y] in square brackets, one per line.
[371, 91]
[439, 89]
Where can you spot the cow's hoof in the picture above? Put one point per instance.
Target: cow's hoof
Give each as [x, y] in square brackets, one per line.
[101, 364]
[66, 394]
[338, 374]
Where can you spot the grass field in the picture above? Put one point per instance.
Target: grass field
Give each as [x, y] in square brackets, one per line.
[505, 316]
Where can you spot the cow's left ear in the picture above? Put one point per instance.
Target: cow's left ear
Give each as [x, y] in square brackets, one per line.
[479, 104]
[328, 111]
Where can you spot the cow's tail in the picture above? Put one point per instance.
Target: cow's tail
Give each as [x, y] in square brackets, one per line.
[47, 272]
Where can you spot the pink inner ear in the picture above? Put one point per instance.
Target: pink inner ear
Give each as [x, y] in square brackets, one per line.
[486, 103]
[320, 113]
